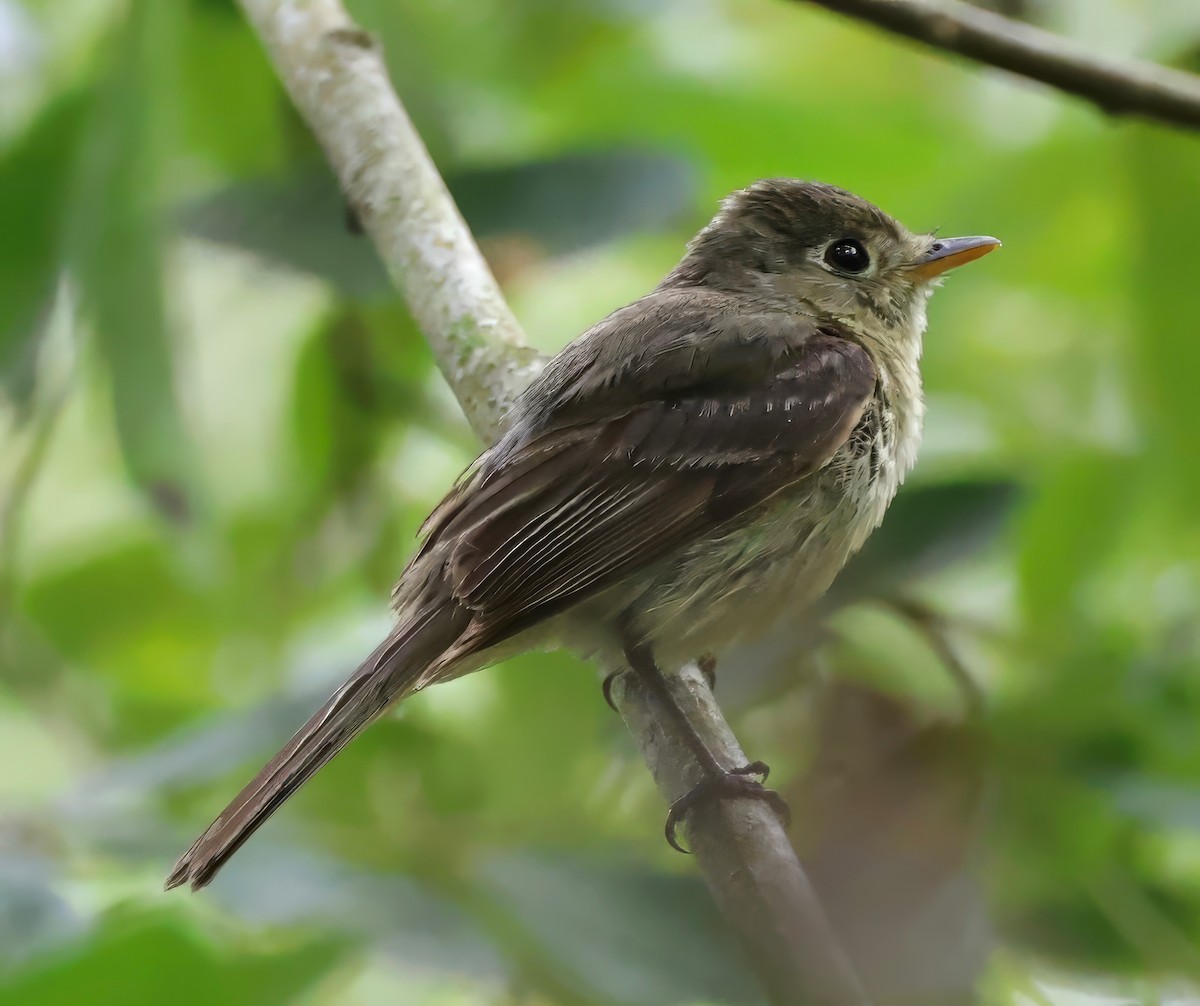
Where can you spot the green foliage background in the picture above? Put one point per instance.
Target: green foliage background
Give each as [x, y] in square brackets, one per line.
[220, 432]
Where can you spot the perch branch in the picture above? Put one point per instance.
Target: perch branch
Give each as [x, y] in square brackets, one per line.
[743, 852]
[335, 74]
[1117, 87]
[336, 77]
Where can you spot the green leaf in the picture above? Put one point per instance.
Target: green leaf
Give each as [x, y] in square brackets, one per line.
[1070, 528]
[233, 105]
[1165, 168]
[117, 251]
[33, 180]
[562, 204]
[298, 220]
[138, 958]
[338, 409]
[131, 616]
[576, 200]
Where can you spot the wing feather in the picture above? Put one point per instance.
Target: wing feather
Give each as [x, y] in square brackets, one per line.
[582, 505]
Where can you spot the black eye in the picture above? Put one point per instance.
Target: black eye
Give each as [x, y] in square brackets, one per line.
[848, 255]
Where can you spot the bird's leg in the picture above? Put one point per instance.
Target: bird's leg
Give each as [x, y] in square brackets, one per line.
[718, 781]
[706, 663]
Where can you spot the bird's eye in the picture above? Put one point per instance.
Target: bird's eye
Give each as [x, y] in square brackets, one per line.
[848, 255]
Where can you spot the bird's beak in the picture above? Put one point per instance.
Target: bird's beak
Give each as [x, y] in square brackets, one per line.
[949, 253]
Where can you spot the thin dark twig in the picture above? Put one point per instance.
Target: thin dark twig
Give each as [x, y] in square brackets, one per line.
[932, 626]
[1118, 87]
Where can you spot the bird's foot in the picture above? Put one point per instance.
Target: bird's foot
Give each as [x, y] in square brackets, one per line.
[738, 782]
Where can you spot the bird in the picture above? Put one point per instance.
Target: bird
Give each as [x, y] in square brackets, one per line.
[689, 469]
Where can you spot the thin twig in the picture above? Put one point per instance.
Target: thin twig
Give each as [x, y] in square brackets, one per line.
[336, 76]
[932, 626]
[1117, 87]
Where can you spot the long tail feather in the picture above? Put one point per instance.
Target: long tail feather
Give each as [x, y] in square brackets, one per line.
[386, 676]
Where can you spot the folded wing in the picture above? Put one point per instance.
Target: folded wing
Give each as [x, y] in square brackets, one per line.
[583, 505]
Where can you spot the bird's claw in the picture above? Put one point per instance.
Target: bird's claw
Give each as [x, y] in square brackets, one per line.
[606, 689]
[736, 782]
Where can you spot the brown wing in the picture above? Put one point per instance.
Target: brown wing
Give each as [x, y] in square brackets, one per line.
[577, 509]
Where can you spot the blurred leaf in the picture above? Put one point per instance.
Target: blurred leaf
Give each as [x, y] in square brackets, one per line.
[33, 176]
[1166, 165]
[134, 621]
[336, 422]
[194, 754]
[927, 528]
[350, 387]
[576, 200]
[1158, 803]
[546, 712]
[138, 959]
[298, 220]
[1071, 526]
[69, 603]
[233, 103]
[273, 886]
[622, 933]
[117, 244]
[563, 204]
[33, 916]
[1079, 873]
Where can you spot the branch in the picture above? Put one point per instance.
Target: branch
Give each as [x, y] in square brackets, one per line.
[743, 852]
[1119, 88]
[336, 77]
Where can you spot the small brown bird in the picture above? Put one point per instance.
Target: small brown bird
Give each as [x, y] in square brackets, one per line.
[689, 468]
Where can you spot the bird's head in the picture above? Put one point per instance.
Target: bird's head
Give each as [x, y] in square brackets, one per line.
[810, 247]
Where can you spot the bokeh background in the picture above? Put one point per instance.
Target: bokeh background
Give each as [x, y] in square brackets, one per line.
[220, 432]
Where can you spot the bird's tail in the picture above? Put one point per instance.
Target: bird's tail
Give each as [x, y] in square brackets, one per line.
[392, 671]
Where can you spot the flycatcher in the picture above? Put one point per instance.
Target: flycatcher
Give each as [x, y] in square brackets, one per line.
[686, 470]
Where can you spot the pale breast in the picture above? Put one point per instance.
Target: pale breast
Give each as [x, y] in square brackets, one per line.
[738, 584]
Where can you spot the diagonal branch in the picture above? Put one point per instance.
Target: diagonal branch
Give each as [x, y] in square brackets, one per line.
[743, 852]
[336, 76]
[337, 79]
[1117, 87]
